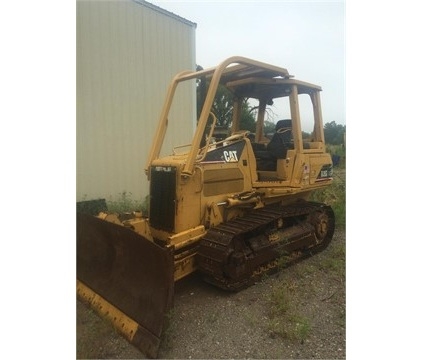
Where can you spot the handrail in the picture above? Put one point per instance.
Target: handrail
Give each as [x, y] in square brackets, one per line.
[218, 72]
[205, 149]
[243, 66]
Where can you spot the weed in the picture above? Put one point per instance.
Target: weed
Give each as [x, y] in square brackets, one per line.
[303, 272]
[334, 196]
[337, 151]
[283, 259]
[300, 327]
[290, 327]
[125, 204]
[335, 263]
[283, 319]
[279, 301]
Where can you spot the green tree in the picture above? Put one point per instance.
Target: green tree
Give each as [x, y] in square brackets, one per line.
[248, 120]
[269, 127]
[223, 105]
[334, 133]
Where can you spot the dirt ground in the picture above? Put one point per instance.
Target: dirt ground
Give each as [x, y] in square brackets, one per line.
[297, 313]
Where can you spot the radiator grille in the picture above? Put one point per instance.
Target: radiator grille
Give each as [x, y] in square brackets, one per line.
[162, 197]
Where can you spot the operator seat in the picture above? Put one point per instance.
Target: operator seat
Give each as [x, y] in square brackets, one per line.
[276, 148]
[282, 139]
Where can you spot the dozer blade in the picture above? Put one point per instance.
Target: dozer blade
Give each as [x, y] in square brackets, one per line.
[125, 278]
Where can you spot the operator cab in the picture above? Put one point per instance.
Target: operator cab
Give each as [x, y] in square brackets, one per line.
[276, 142]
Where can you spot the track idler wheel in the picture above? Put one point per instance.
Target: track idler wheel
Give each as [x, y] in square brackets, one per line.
[323, 222]
[321, 226]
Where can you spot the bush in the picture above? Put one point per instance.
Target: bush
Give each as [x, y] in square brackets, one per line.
[125, 204]
[334, 196]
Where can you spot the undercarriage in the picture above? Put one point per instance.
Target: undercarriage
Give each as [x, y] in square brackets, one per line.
[237, 253]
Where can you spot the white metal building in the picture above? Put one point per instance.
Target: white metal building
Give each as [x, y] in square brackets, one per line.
[127, 53]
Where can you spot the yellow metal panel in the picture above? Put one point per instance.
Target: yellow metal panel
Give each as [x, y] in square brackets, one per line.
[222, 181]
[126, 325]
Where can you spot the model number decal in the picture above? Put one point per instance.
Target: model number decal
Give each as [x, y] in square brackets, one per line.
[163, 168]
[230, 156]
[326, 172]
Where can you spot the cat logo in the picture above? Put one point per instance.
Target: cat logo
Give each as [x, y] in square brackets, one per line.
[230, 156]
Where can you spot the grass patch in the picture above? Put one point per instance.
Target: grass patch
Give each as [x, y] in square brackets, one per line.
[124, 203]
[334, 195]
[283, 320]
[335, 262]
[290, 327]
[279, 301]
[304, 269]
[283, 259]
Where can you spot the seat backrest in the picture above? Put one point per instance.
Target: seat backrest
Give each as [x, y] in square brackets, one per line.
[281, 140]
[281, 124]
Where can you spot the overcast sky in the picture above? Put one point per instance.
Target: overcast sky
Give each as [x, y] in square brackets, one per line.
[306, 38]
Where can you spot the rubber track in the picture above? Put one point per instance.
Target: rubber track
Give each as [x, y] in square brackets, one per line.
[236, 236]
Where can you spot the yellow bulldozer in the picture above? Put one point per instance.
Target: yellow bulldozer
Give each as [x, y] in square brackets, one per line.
[233, 207]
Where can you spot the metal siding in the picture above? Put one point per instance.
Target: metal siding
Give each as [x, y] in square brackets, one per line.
[127, 54]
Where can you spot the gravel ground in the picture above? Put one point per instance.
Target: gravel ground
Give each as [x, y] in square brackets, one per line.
[297, 313]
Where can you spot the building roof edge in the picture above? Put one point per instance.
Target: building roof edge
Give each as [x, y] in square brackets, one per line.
[165, 12]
